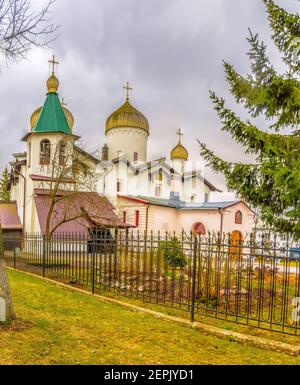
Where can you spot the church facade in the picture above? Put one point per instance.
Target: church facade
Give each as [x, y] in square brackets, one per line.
[165, 194]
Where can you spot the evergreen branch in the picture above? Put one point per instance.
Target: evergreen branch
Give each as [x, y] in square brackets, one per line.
[4, 186]
[261, 68]
[216, 163]
[286, 33]
[255, 140]
[279, 99]
[256, 184]
[245, 92]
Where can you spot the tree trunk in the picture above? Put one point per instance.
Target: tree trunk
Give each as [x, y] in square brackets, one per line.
[7, 313]
[5, 296]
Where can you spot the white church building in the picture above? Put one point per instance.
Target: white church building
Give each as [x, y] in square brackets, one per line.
[165, 194]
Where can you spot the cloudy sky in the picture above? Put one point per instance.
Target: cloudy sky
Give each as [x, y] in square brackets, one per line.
[171, 51]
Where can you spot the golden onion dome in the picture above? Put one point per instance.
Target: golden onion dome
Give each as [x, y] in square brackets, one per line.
[127, 116]
[52, 84]
[70, 117]
[36, 114]
[35, 117]
[179, 152]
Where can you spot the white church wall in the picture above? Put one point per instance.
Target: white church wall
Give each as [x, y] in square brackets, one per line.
[29, 217]
[195, 187]
[110, 183]
[33, 153]
[127, 140]
[179, 165]
[156, 187]
[34, 223]
[17, 194]
[139, 184]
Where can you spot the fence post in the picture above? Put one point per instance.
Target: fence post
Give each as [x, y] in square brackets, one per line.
[93, 262]
[15, 259]
[194, 278]
[126, 258]
[45, 246]
[127, 242]
[116, 257]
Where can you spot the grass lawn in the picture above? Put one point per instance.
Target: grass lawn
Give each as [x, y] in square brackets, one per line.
[58, 326]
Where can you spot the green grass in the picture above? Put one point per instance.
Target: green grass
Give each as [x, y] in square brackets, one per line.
[217, 322]
[72, 328]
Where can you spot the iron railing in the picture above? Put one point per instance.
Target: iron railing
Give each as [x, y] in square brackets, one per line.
[254, 282]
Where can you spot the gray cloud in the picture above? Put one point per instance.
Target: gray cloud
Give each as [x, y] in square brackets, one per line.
[170, 50]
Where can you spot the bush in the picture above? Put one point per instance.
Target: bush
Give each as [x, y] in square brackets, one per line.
[172, 253]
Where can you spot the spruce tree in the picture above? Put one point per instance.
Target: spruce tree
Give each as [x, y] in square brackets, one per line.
[4, 183]
[272, 182]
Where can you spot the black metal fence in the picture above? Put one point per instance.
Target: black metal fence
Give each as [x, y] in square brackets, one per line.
[255, 283]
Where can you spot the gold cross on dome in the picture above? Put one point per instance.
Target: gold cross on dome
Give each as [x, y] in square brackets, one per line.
[128, 89]
[180, 134]
[53, 63]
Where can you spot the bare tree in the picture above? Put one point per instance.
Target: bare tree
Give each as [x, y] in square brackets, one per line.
[69, 192]
[22, 28]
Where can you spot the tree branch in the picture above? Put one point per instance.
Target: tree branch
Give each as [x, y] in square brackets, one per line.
[21, 28]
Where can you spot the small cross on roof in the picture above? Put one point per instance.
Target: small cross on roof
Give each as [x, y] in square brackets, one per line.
[53, 62]
[128, 89]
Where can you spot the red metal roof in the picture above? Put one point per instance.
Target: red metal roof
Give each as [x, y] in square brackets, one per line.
[9, 217]
[75, 211]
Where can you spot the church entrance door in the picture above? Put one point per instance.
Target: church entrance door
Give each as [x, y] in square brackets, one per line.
[236, 245]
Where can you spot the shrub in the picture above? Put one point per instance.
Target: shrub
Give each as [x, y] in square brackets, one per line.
[172, 253]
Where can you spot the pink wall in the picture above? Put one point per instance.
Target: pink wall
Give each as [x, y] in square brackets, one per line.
[163, 219]
[170, 219]
[211, 219]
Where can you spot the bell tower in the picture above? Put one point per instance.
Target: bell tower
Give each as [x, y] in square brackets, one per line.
[51, 130]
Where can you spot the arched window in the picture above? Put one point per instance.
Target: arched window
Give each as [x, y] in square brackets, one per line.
[199, 229]
[239, 218]
[62, 154]
[45, 152]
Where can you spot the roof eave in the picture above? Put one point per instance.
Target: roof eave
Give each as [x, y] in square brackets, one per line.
[25, 138]
[90, 156]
